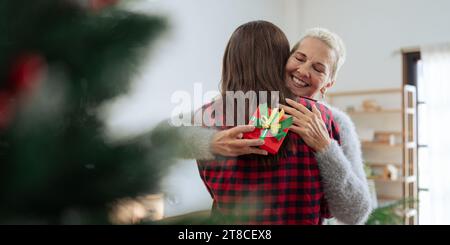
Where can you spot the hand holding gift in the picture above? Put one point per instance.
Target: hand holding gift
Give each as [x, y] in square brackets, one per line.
[271, 125]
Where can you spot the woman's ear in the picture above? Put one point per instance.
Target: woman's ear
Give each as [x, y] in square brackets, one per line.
[330, 84]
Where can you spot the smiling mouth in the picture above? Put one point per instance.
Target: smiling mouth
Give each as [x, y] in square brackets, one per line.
[299, 83]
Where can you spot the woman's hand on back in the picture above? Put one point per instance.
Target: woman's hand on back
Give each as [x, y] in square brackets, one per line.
[229, 143]
[309, 125]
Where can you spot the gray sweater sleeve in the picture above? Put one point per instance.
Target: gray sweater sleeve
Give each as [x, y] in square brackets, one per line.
[345, 184]
[188, 142]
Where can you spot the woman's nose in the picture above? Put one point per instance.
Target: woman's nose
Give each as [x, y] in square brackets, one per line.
[303, 70]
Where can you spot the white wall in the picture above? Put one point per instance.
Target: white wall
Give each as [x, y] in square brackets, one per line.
[190, 53]
[374, 32]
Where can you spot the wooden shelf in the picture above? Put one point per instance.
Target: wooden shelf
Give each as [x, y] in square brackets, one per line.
[376, 144]
[390, 115]
[357, 112]
[389, 132]
[388, 198]
[366, 92]
[411, 111]
[410, 212]
[376, 178]
[193, 218]
[408, 179]
[386, 201]
[383, 164]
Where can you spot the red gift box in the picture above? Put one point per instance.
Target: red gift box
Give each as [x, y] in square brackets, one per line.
[271, 126]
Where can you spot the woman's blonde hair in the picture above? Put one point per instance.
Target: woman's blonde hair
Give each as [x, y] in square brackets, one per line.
[333, 41]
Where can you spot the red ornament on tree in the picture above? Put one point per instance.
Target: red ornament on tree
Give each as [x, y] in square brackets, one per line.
[5, 109]
[26, 71]
[100, 4]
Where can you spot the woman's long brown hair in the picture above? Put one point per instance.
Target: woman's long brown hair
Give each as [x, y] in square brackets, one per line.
[254, 60]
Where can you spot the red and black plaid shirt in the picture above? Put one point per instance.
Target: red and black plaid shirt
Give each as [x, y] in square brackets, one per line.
[289, 191]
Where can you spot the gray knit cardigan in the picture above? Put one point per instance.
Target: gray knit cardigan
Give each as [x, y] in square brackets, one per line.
[341, 167]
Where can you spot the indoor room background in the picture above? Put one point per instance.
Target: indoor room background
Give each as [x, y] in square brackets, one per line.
[375, 33]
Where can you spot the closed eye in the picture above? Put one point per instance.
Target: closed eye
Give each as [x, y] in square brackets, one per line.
[300, 58]
[319, 68]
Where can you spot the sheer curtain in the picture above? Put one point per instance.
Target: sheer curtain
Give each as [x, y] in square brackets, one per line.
[435, 83]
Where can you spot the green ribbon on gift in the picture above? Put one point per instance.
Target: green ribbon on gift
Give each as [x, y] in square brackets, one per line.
[271, 123]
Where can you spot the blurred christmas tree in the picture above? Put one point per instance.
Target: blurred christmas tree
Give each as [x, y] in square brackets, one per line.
[59, 61]
[387, 215]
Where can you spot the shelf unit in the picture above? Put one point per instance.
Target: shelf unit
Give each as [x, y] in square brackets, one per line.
[394, 115]
[368, 144]
[410, 152]
[376, 112]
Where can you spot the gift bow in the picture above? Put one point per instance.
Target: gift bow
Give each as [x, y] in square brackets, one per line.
[272, 122]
